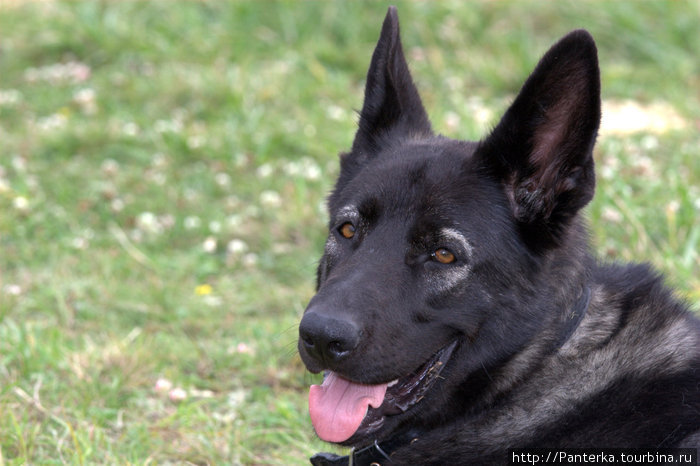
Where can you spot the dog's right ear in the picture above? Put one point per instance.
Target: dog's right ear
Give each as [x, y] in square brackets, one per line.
[392, 109]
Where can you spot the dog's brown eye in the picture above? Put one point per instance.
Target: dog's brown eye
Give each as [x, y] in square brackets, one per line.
[347, 230]
[443, 256]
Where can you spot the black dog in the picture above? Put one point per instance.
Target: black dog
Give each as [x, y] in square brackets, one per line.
[459, 312]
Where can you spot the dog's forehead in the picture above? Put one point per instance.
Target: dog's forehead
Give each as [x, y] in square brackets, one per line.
[409, 178]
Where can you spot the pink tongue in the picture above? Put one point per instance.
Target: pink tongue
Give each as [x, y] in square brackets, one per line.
[338, 407]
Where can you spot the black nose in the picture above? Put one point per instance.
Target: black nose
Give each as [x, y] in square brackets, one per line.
[328, 339]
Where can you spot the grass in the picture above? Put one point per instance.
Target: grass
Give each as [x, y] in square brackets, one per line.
[163, 169]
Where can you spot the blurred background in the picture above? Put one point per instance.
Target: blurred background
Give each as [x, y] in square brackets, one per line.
[163, 173]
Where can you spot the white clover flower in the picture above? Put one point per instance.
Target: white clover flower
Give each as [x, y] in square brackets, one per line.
[234, 221]
[52, 122]
[85, 95]
[250, 259]
[85, 98]
[265, 170]
[452, 121]
[158, 178]
[236, 398]
[20, 203]
[130, 129]
[190, 194]
[19, 163]
[610, 168]
[454, 83]
[252, 211]
[79, 243]
[335, 112]
[270, 199]
[291, 168]
[650, 142]
[9, 97]
[232, 202]
[196, 393]
[159, 160]
[195, 141]
[72, 72]
[482, 114]
[215, 226]
[177, 394]
[611, 214]
[312, 172]
[243, 348]
[213, 301]
[222, 179]
[168, 126]
[148, 222]
[78, 72]
[240, 160]
[12, 289]
[162, 385]
[192, 222]
[209, 244]
[305, 167]
[117, 205]
[673, 207]
[236, 246]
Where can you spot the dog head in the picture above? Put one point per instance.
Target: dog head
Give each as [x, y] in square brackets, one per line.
[436, 246]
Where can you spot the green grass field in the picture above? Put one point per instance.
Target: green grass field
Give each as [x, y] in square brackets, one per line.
[163, 170]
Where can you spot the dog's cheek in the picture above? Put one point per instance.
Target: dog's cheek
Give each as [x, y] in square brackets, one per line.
[444, 284]
[460, 307]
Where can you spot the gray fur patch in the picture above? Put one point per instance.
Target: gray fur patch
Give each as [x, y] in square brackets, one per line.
[458, 237]
[446, 280]
[331, 248]
[349, 211]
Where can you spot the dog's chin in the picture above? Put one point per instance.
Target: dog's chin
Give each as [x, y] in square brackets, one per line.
[401, 396]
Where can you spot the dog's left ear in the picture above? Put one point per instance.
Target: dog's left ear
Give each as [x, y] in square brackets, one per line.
[392, 107]
[542, 149]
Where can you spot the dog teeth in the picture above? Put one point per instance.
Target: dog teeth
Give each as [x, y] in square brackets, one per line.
[392, 383]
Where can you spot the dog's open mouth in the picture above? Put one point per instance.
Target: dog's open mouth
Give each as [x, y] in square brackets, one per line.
[340, 408]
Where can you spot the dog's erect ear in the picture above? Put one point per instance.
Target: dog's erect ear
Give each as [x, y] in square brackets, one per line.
[392, 107]
[542, 149]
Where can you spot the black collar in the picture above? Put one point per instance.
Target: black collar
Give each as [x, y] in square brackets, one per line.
[378, 453]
